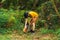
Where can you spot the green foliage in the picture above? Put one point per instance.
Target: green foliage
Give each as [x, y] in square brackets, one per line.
[46, 31]
[40, 23]
[12, 20]
[0, 0]
[3, 18]
[10, 17]
[57, 32]
[58, 0]
[5, 37]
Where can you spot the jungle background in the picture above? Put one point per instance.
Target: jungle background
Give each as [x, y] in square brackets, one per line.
[12, 19]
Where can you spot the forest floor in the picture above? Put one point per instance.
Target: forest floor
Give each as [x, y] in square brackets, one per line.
[28, 36]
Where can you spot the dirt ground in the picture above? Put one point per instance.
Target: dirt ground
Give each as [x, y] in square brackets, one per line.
[34, 36]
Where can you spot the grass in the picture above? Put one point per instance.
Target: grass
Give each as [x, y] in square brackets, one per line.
[5, 37]
[42, 34]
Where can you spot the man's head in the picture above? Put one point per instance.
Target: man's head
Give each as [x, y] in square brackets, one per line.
[26, 14]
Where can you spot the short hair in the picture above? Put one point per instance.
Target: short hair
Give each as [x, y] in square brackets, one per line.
[26, 15]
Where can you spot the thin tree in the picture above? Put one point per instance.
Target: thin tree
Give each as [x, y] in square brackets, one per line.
[57, 12]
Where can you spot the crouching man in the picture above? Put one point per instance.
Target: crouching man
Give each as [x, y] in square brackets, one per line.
[33, 18]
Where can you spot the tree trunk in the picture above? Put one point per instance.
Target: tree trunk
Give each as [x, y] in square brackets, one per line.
[55, 8]
[35, 3]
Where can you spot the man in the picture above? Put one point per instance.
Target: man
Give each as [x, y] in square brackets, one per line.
[33, 18]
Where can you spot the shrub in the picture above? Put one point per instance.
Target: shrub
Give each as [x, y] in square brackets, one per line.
[3, 18]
